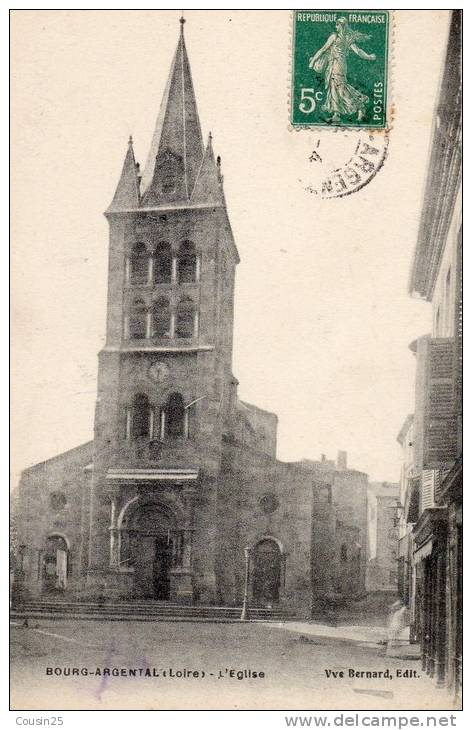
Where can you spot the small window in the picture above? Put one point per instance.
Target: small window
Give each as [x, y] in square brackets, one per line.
[269, 503]
[141, 419]
[185, 318]
[161, 318]
[169, 183]
[137, 320]
[175, 416]
[344, 553]
[139, 264]
[163, 264]
[58, 501]
[187, 264]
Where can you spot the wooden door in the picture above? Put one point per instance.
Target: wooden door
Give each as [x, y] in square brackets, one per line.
[266, 572]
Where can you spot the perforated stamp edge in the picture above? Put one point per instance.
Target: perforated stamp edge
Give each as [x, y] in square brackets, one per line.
[390, 76]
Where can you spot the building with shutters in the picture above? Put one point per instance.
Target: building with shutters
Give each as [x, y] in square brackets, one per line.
[182, 475]
[431, 484]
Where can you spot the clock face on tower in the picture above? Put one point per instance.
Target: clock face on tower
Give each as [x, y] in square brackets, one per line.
[158, 372]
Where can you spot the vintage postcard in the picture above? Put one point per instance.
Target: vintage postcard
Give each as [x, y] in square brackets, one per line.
[237, 360]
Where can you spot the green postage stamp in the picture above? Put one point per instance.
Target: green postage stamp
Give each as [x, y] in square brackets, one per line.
[339, 68]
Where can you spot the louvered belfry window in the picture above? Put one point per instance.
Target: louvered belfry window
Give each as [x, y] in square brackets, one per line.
[139, 264]
[141, 417]
[137, 320]
[163, 263]
[185, 318]
[161, 318]
[440, 423]
[187, 263]
[175, 416]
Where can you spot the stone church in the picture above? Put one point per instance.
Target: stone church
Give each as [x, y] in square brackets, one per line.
[181, 475]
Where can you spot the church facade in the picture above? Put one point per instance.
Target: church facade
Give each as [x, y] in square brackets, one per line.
[181, 475]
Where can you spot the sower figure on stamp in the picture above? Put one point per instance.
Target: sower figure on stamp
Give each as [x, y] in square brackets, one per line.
[331, 59]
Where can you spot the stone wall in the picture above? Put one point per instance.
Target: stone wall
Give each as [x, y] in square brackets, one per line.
[350, 506]
[259, 499]
[51, 497]
[383, 567]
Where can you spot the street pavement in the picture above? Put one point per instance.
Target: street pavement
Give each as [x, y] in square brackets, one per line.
[199, 665]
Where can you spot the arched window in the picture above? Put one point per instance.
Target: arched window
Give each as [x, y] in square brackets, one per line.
[137, 320]
[161, 319]
[187, 265]
[175, 416]
[163, 263]
[185, 326]
[139, 264]
[141, 419]
[343, 552]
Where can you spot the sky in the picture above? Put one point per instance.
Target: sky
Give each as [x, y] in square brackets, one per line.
[323, 318]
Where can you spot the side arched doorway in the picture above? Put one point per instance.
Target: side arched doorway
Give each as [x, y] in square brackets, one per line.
[148, 546]
[267, 572]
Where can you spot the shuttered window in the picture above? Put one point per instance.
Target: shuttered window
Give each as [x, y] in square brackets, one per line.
[458, 344]
[428, 482]
[440, 425]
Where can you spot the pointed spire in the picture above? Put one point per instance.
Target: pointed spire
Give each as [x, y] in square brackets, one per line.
[127, 192]
[177, 148]
[208, 187]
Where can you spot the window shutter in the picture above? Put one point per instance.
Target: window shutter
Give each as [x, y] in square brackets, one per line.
[458, 344]
[440, 425]
[427, 489]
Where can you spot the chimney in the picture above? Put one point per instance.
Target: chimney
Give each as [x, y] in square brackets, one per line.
[342, 460]
[323, 457]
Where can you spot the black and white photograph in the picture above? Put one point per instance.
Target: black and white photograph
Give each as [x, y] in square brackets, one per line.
[236, 271]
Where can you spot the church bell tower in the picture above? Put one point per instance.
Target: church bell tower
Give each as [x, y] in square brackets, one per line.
[165, 371]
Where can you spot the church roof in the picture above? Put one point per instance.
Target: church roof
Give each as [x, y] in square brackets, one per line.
[179, 172]
[127, 192]
[86, 449]
[176, 152]
[209, 185]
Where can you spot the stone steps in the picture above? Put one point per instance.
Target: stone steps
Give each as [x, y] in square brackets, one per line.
[139, 611]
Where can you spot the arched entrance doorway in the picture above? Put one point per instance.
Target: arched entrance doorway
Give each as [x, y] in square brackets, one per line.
[55, 564]
[267, 569]
[148, 545]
